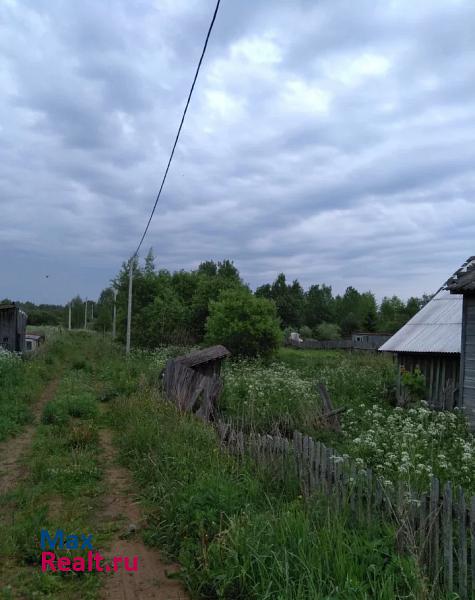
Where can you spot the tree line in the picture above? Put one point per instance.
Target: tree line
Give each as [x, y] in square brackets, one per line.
[212, 303]
[173, 307]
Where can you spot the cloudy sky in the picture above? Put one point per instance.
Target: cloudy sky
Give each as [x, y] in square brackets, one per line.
[332, 140]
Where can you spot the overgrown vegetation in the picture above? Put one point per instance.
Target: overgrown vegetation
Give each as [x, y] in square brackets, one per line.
[21, 380]
[236, 533]
[61, 489]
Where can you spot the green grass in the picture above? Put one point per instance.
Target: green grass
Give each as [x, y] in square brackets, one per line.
[62, 488]
[237, 533]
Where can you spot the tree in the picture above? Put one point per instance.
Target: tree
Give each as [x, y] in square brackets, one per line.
[392, 314]
[288, 299]
[104, 310]
[328, 331]
[305, 332]
[245, 324]
[319, 305]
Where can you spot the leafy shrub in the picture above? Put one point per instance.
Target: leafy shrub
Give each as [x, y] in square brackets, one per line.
[415, 384]
[328, 331]
[305, 332]
[245, 324]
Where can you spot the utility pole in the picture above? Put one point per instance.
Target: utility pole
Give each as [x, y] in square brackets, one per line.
[85, 315]
[114, 314]
[69, 317]
[129, 306]
[92, 311]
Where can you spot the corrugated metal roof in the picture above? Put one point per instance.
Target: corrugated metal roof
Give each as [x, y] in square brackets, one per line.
[437, 327]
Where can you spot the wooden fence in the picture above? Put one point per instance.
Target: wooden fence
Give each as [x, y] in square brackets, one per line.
[322, 345]
[438, 526]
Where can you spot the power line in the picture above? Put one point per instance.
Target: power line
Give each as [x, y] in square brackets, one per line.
[179, 129]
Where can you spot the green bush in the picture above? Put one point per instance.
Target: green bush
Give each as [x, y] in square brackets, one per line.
[328, 331]
[245, 324]
[305, 332]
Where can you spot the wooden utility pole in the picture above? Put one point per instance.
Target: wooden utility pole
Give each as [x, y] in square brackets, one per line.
[69, 317]
[85, 315]
[114, 314]
[129, 306]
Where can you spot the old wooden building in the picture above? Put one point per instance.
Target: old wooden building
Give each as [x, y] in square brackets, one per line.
[462, 286]
[12, 328]
[431, 341]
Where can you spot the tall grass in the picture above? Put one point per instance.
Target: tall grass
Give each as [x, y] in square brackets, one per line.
[236, 533]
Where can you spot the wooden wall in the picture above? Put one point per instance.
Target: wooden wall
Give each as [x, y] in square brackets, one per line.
[12, 329]
[468, 359]
[442, 374]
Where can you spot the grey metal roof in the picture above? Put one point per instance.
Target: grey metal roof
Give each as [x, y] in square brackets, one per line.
[437, 327]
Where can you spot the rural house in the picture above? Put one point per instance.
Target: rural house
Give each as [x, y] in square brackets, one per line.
[462, 286]
[12, 328]
[431, 341]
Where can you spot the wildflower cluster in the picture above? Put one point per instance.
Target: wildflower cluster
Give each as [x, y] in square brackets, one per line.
[412, 444]
[270, 398]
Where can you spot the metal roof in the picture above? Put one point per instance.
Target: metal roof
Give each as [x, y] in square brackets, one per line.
[437, 327]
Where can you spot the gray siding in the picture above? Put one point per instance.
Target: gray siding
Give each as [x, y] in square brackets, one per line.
[468, 358]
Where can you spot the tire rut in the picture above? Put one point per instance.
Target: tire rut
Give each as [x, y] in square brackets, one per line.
[12, 451]
[150, 581]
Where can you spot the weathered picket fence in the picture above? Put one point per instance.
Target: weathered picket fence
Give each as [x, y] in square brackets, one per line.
[438, 526]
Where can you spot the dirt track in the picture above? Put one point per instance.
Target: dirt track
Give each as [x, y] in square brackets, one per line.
[150, 581]
[13, 449]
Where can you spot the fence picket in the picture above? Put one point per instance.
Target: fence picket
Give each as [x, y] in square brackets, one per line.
[472, 544]
[462, 545]
[447, 538]
[434, 519]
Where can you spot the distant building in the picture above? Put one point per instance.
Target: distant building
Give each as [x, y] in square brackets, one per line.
[364, 340]
[12, 328]
[33, 341]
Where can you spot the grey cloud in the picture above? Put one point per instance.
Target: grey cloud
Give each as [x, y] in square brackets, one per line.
[374, 189]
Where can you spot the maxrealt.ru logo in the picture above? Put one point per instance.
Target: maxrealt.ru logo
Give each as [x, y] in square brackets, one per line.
[93, 561]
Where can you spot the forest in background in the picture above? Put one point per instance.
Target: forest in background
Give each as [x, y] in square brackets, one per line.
[172, 307]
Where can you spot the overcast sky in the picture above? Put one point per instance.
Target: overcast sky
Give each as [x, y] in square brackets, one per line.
[331, 140]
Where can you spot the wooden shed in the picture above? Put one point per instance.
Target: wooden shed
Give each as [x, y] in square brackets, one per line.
[431, 341]
[12, 328]
[193, 383]
[462, 285]
[207, 361]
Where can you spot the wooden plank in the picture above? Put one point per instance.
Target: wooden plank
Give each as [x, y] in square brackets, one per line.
[447, 538]
[311, 470]
[305, 466]
[434, 508]
[422, 529]
[462, 545]
[472, 545]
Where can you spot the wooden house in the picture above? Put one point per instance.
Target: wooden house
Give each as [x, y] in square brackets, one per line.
[12, 328]
[431, 341]
[462, 286]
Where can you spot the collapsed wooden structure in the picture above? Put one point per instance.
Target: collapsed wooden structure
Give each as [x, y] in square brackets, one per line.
[193, 383]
